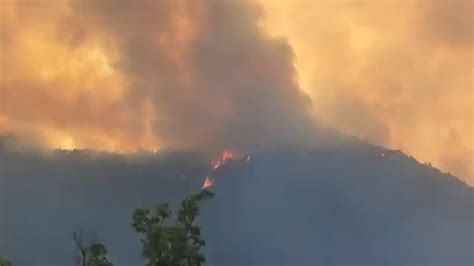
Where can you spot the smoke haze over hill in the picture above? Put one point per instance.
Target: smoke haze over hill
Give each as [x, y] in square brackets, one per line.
[140, 95]
[175, 75]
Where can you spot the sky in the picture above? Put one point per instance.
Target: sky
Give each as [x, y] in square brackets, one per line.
[176, 75]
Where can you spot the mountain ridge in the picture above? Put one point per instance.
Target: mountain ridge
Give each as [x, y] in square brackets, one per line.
[352, 204]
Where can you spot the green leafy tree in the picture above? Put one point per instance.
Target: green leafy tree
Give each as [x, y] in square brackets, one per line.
[172, 243]
[94, 254]
[98, 255]
[4, 262]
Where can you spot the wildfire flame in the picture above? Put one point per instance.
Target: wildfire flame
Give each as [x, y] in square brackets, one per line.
[227, 156]
[207, 183]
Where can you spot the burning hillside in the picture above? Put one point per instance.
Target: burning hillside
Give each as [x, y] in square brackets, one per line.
[226, 157]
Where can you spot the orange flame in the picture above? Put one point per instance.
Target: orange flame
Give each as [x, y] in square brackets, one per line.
[227, 156]
[207, 183]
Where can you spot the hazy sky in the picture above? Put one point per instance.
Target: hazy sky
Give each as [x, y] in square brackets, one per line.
[397, 73]
[123, 75]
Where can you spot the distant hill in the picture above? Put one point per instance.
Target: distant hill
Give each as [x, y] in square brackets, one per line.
[355, 204]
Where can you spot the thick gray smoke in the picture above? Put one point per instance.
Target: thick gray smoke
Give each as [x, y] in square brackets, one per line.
[192, 74]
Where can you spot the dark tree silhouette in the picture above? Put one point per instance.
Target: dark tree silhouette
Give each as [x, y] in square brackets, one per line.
[94, 254]
[172, 243]
[98, 255]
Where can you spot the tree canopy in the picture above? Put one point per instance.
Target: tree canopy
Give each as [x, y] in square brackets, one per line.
[172, 242]
[4, 262]
[94, 254]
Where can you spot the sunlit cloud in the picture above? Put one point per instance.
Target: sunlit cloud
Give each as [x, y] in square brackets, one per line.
[396, 73]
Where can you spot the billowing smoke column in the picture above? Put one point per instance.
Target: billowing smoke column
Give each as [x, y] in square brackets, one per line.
[166, 75]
